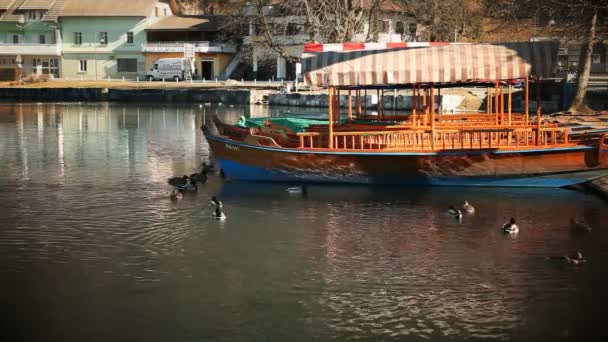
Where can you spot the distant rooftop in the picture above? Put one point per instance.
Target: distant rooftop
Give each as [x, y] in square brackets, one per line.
[36, 5]
[207, 23]
[108, 8]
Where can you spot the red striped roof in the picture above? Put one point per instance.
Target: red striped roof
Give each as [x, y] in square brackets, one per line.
[366, 64]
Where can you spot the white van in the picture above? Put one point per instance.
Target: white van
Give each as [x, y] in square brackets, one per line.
[171, 69]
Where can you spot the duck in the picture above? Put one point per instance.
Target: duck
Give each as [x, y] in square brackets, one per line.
[206, 168]
[230, 106]
[176, 195]
[573, 259]
[199, 177]
[188, 185]
[218, 214]
[177, 181]
[467, 207]
[456, 213]
[215, 202]
[510, 227]
[580, 226]
[298, 190]
[206, 104]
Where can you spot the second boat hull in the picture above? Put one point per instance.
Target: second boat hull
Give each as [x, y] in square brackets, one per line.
[529, 168]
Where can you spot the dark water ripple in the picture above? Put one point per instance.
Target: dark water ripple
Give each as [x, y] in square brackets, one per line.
[85, 222]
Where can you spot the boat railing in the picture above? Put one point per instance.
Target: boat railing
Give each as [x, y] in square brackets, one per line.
[440, 139]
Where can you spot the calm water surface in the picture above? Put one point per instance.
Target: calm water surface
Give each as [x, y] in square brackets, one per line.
[92, 249]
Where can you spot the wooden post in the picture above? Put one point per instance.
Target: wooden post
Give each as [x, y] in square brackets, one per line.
[527, 101]
[509, 90]
[414, 104]
[538, 115]
[365, 97]
[358, 102]
[432, 116]
[337, 107]
[496, 102]
[424, 106]
[350, 106]
[501, 104]
[330, 117]
[439, 102]
[489, 101]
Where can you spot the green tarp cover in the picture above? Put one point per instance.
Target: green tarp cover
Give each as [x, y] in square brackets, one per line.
[300, 124]
[295, 124]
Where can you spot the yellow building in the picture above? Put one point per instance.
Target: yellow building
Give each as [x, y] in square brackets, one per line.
[191, 37]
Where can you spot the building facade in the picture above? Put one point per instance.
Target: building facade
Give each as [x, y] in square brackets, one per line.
[30, 40]
[190, 37]
[105, 40]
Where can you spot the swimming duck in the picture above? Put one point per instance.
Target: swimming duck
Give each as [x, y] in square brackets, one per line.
[218, 214]
[456, 213]
[574, 259]
[176, 181]
[580, 226]
[206, 168]
[215, 202]
[199, 177]
[298, 190]
[468, 207]
[188, 185]
[510, 227]
[176, 195]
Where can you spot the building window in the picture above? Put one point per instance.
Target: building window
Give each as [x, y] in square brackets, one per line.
[78, 38]
[127, 64]
[596, 58]
[15, 39]
[400, 27]
[413, 27]
[156, 11]
[129, 37]
[103, 38]
[165, 12]
[82, 65]
[42, 39]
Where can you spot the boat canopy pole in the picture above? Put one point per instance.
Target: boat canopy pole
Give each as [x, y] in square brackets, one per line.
[527, 101]
[509, 90]
[330, 117]
[432, 115]
[350, 106]
[496, 102]
[358, 102]
[538, 116]
[414, 104]
[489, 101]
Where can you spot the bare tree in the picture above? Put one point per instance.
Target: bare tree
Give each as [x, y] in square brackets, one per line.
[577, 21]
[443, 20]
[327, 21]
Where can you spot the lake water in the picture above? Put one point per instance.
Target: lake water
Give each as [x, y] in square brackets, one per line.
[92, 249]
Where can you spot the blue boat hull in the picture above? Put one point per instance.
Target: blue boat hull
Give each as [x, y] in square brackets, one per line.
[533, 167]
[239, 171]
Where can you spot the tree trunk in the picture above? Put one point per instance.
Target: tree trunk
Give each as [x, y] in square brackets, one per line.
[584, 69]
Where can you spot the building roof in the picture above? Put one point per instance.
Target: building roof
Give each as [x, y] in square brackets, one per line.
[108, 8]
[5, 4]
[208, 23]
[13, 7]
[9, 14]
[36, 5]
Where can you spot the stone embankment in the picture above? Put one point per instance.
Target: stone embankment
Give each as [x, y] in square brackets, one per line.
[233, 96]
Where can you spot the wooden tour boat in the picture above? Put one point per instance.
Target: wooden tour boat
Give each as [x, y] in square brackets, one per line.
[496, 148]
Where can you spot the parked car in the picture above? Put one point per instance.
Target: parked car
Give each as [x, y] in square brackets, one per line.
[171, 69]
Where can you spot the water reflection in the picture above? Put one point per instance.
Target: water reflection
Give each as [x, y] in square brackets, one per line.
[85, 221]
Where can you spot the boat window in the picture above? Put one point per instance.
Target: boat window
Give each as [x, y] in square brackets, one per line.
[605, 143]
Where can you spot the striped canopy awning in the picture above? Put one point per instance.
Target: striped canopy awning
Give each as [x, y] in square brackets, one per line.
[422, 63]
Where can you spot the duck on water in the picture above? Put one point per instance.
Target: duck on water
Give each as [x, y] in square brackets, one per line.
[510, 227]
